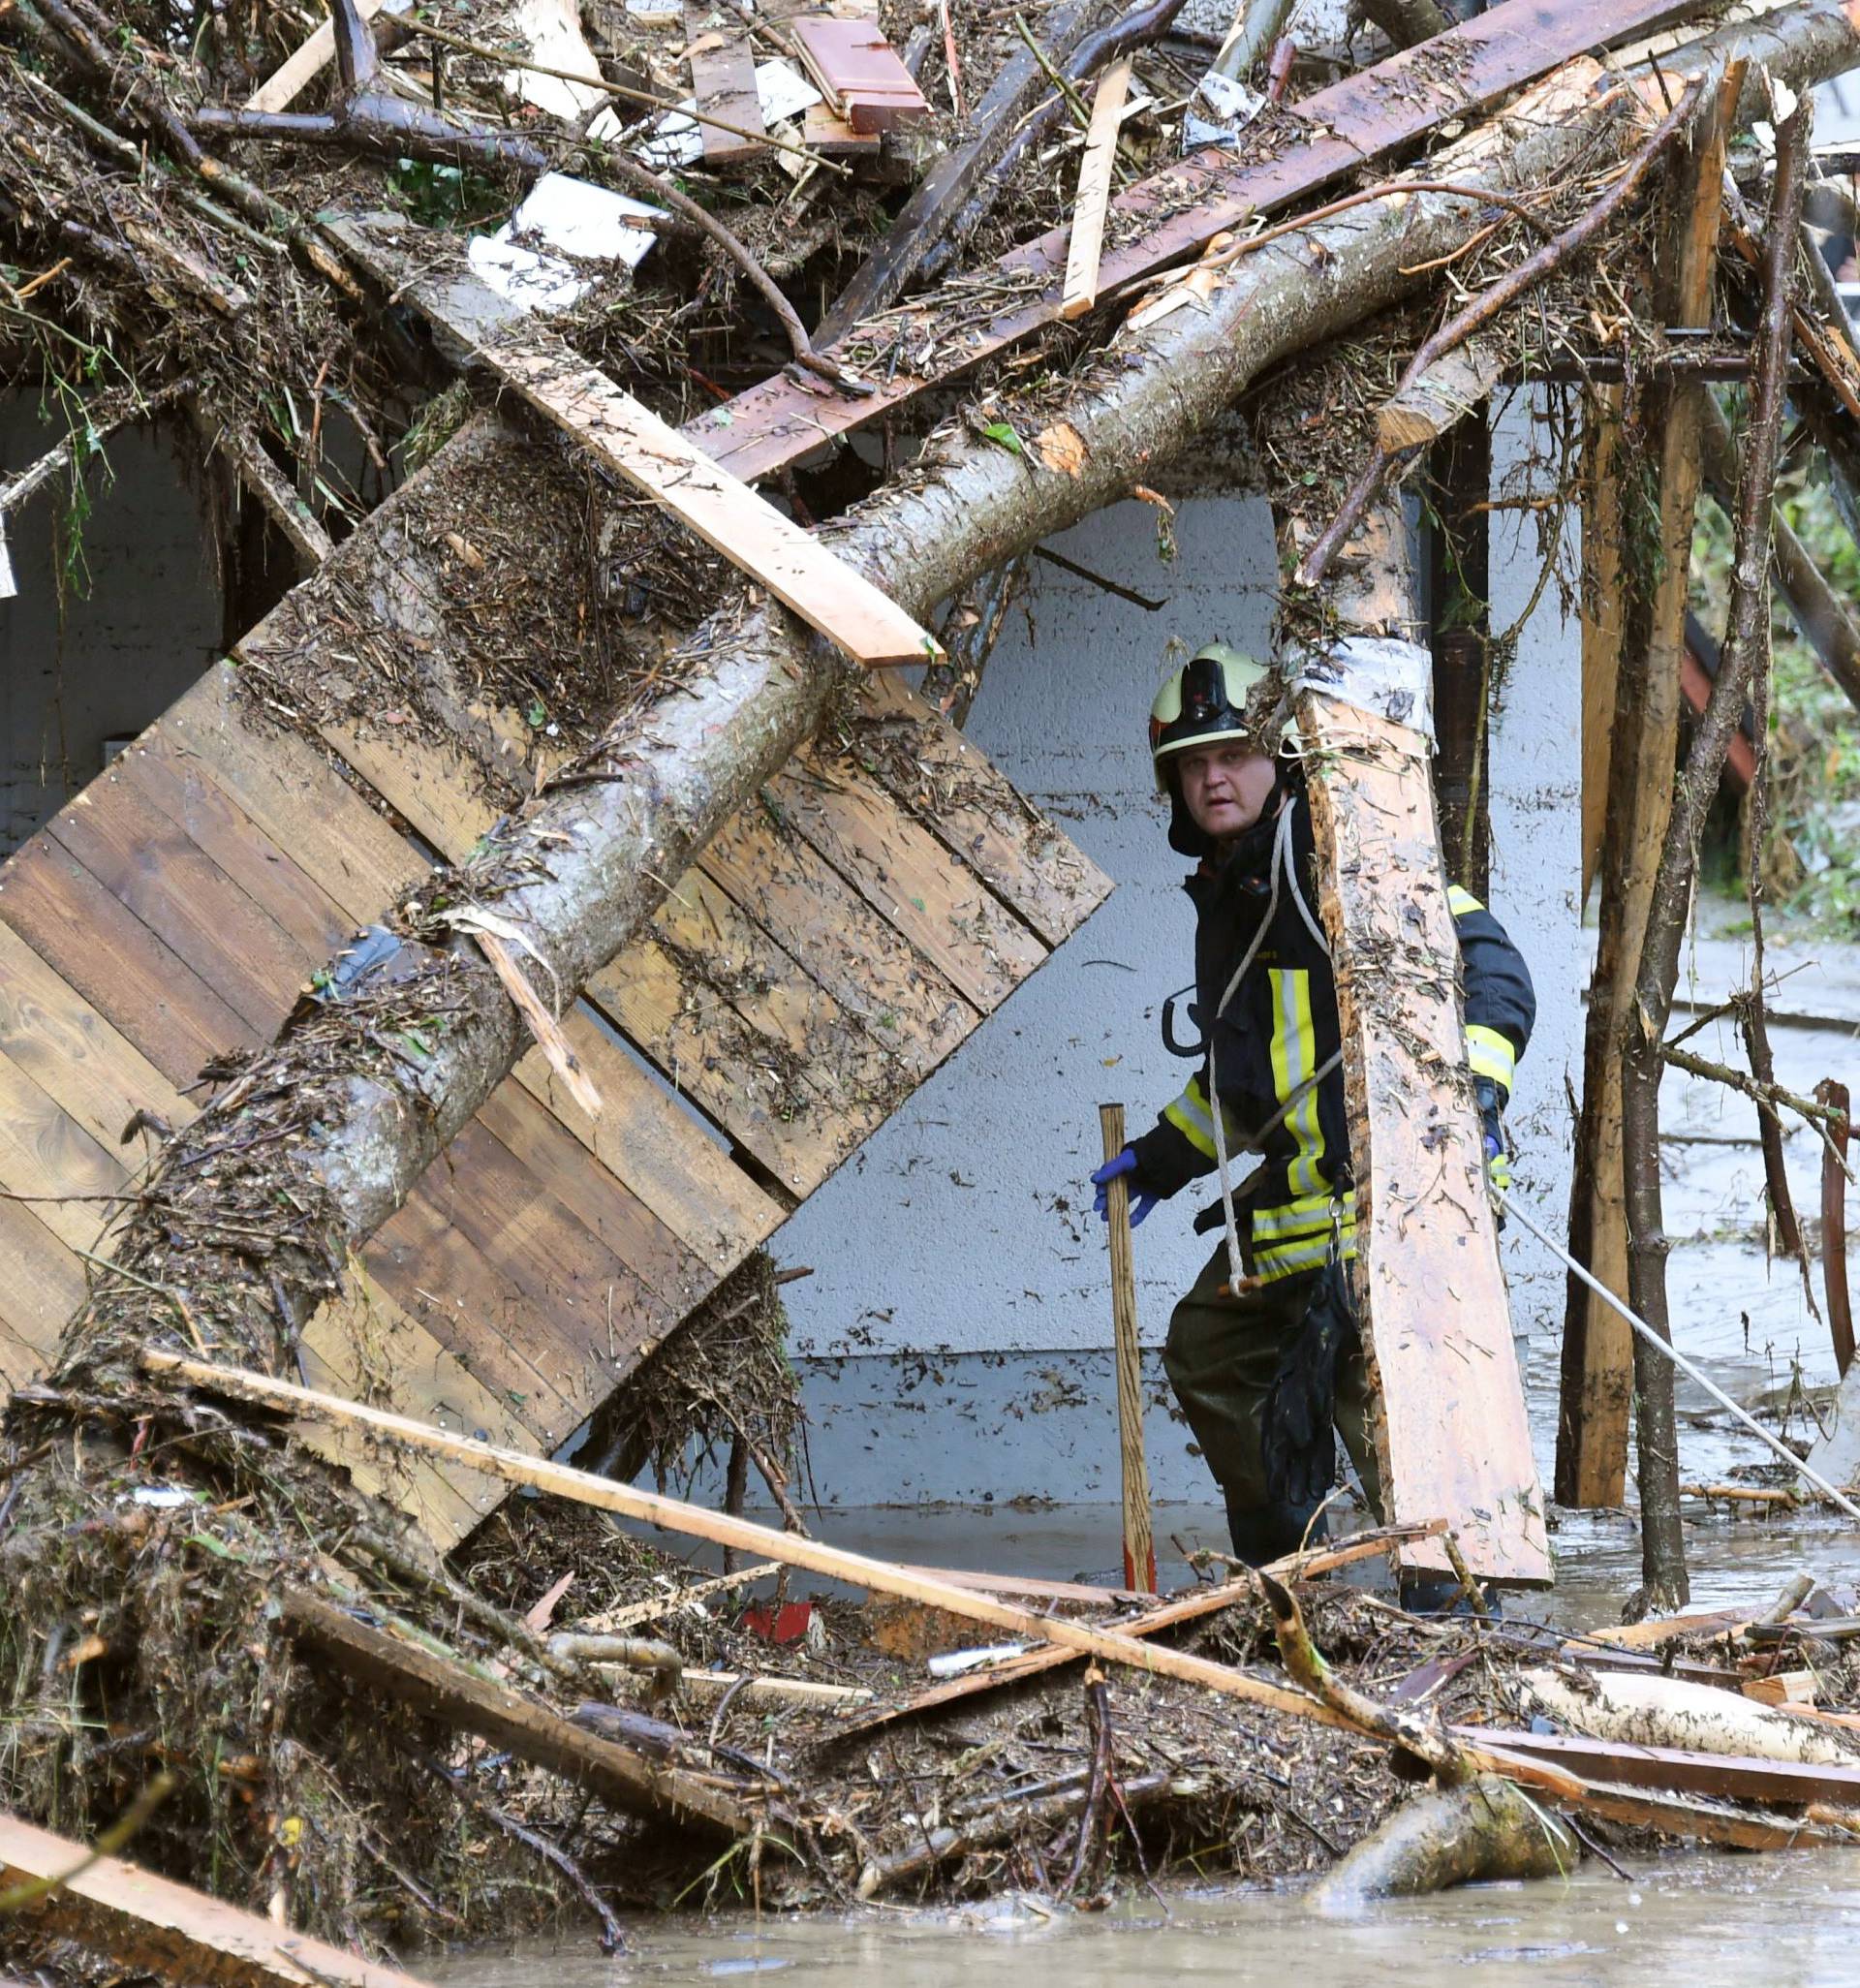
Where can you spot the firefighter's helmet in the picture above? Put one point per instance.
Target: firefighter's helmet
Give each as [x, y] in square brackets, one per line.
[1219, 693]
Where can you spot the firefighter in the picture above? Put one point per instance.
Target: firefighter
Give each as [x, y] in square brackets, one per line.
[1266, 1368]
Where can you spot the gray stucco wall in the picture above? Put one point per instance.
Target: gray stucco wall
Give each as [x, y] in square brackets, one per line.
[135, 630]
[953, 1338]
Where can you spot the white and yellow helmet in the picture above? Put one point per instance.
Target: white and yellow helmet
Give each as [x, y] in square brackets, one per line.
[1214, 696]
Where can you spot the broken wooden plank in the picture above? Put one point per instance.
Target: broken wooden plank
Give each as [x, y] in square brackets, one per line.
[622, 1778]
[1363, 118]
[1597, 1384]
[1437, 398]
[152, 1925]
[954, 790]
[795, 567]
[723, 81]
[857, 71]
[311, 57]
[1093, 200]
[834, 138]
[1434, 1318]
[1728, 1776]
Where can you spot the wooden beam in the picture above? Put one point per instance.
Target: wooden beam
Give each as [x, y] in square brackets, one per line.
[723, 80]
[152, 1925]
[1436, 1321]
[1431, 1297]
[720, 1528]
[1363, 118]
[1729, 1777]
[1093, 201]
[622, 1777]
[1643, 726]
[289, 80]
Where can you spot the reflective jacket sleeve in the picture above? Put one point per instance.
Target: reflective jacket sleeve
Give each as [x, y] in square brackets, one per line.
[1180, 1146]
[1501, 1003]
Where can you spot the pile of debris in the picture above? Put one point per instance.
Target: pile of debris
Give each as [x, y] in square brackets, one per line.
[691, 251]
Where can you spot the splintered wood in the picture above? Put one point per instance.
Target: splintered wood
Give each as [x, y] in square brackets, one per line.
[1094, 191]
[1452, 1436]
[843, 605]
[151, 1925]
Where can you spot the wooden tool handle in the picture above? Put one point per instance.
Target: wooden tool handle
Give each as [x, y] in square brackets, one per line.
[1139, 1549]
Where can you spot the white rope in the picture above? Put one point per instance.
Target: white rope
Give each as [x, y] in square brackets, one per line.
[1280, 864]
[1678, 1359]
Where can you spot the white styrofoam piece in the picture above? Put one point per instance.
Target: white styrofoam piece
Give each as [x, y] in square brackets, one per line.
[1219, 108]
[678, 139]
[573, 217]
[537, 283]
[551, 31]
[581, 219]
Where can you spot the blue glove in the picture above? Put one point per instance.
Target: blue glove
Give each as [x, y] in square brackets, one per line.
[1114, 1170]
[1498, 1152]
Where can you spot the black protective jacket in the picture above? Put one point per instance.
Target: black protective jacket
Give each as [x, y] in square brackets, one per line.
[1281, 1025]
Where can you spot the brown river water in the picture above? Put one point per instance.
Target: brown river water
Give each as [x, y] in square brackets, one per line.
[1789, 1920]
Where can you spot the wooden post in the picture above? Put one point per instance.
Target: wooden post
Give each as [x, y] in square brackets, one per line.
[1647, 642]
[1834, 1224]
[1139, 1546]
[1451, 1434]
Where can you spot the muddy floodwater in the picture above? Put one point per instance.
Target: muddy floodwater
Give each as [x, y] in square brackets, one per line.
[1786, 1920]
[1789, 1920]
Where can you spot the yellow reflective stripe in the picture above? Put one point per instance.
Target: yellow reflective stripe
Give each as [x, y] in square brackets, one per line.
[1459, 902]
[1189, 1116]
[1295, 1217]
[1287, 1260]
[1490, 1054]
[1294, 1056]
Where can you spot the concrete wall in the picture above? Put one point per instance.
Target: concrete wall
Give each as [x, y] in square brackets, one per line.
[952, 1338]
[135, 630]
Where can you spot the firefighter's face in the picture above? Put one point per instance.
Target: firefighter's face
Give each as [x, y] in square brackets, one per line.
[1226, 786]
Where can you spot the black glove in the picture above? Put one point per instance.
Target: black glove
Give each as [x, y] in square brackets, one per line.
[1297, 1440]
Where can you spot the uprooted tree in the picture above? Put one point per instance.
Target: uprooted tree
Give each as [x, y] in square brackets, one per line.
[117, 1618]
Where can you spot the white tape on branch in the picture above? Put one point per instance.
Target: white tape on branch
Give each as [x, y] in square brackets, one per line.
[1393, 678]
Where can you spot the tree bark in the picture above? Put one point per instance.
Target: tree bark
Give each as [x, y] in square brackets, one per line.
[1662, 1542]
[1597, 1354]
[577, 871]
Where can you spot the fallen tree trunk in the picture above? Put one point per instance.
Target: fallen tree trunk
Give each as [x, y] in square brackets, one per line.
[577, 873]
[1480, 1833]
[1649, 1711]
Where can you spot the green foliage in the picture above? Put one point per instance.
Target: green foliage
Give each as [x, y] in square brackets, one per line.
[446, 196]
[1812, 863]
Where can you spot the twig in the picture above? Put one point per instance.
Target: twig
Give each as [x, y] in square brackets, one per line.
[162, 1291]
[1534, 270]
[1770, 1096]
[29, 1891]
[627, 94]
[613, 1939]
[1092, 1820]
[1469, 1585]
[1062, 82]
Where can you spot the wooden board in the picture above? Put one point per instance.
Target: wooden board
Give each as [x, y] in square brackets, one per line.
[953, 789]
[907, 875]
[291, 792]
[51, 1032]
[1725, 1774]
[154, 1926]
[45, 1285]
[305, 63]
[795, 567]
[864, 961]
[1364, 117]
[722, 80]
[153, 869]
[144, 988]
[1093, 199]
[1451, 1436]
[44, 1153]
[622, 1778]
